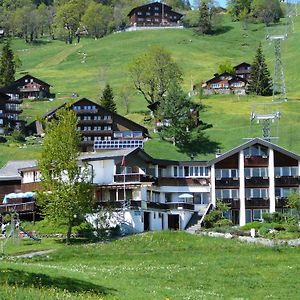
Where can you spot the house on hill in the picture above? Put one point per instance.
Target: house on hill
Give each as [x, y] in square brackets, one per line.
[225, 83]
[154, 14]
[243, 70]
[9, 113]
[28, 87]
[100, 128]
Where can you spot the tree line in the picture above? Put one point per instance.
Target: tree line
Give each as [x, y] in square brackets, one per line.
[69, 19]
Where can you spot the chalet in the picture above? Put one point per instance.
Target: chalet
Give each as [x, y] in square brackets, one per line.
[154, 14]
[225, 83]
[9, 113]
[100, 128]
[243, 70]
[27, 87]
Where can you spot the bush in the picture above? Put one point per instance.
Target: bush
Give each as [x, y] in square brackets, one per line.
[3, 139]
[18, 136]
[224, 222]
[257, 225]
[212, 218]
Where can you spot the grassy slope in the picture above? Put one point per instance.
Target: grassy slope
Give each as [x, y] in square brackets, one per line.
[165, 265]
[198, 56]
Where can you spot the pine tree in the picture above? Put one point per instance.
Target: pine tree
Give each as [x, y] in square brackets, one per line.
[261, 81]
[107, 99]
[204, 24]
[7, 65]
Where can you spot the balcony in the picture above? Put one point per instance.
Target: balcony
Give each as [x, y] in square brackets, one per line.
[17, 207]
[234, 203]
[256, 181]
[180, 205]
[257, 202]
[12, 110]
[86, 111]
[119, 178]
[177, 181]
[281, 202]
[94, 122]
[227, 182]
[287, 181]
[15, 100]
[96, 132]
[256, 161]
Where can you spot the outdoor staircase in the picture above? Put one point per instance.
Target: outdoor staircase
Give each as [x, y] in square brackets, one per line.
[197, 218]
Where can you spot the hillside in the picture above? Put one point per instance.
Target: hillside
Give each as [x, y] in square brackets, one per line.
[199, 56]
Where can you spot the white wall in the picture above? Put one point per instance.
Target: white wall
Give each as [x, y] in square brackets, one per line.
[103, 171]
[155, 221]
[184, 217]
[28, 176]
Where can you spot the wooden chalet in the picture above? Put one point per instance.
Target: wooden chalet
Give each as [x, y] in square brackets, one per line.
[243, 70]
[28, 87]
[9, 113]
[225, 83]
[154, 14]
[100, 128]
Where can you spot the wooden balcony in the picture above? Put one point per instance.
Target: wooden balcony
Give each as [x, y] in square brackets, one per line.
[119, 178]
[281, 202]
[174, 181]
[233, 203]
[95, 122]
[256, 181]
[96, 132]
[227, 182]
[180, 205]
[287, 181]
[257, 203]
[256, 161]
[17, 207]
[86, 111]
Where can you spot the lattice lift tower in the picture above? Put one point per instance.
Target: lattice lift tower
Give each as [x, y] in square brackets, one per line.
[266, 114]
[279, 90]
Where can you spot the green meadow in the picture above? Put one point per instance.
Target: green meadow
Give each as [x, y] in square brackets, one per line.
[107, 59]
[163, 265]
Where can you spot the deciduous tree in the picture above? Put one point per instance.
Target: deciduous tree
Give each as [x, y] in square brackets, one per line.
[67, 193]
[153, 72]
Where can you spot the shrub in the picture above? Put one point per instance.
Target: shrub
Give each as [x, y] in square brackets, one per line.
[3, 139]
[257, 225]
[212, 218]
[223, 222]
[18, 136]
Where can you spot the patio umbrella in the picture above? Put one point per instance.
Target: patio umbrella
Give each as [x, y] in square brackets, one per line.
[185, 195]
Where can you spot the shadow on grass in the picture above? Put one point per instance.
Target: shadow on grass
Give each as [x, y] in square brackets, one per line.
[38, 280]
[40, 42]
[221, 30]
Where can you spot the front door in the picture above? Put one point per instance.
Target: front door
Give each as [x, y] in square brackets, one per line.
[146, 221]
[173, 222]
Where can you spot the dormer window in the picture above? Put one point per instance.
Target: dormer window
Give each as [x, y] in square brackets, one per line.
[156, 8]
[139, 13]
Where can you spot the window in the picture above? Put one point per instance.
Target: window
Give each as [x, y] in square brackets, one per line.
[226, 173]
[156, 8]
[147, 13]
[256, 151]
[286, 171]
[156, 14]
[215, 85]
[257, 193]
[190, 171]
[139, 13]
[256, 172]
[227, 193]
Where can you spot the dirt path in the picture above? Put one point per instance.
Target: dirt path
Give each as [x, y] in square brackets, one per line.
[35, 253]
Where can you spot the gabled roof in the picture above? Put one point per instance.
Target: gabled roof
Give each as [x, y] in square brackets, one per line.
[13, 87]
[218, 76]
[252, 143]
[153, 3]
[116, 154]
[53, 111]
[11, 170]
[242, 64]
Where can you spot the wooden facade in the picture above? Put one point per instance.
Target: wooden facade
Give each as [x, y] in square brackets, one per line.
[154, 14]
[10, 111]
[28, 87]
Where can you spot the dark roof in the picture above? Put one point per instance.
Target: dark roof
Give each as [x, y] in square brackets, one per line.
[242, 64]
[53, 111]
[13, 87]
[153, 3]
[4, 96]
[217, 76]
[252, 143]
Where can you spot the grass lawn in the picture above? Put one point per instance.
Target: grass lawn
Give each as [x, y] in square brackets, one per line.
[163, 265]
[107, 61]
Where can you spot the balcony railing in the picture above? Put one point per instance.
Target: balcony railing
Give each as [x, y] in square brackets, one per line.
[281, 202]
[17, 207]
[86, 111]
[256, 181]
[227, 182]
[94, 122]
[287, 181]
[234, 203]
[257, 202]
[119, 178]
[136, 204]
[96, 132]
